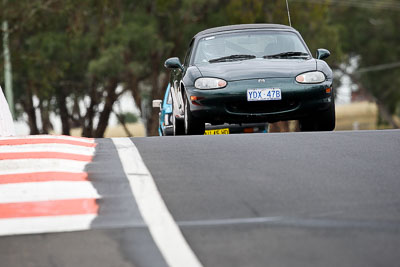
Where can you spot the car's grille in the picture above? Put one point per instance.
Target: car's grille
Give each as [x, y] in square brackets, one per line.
[261, 106]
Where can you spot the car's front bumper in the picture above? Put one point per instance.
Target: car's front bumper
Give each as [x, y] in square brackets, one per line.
[230, 103]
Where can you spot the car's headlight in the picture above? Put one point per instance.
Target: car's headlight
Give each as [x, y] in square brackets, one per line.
[311, 77]
[209, 83]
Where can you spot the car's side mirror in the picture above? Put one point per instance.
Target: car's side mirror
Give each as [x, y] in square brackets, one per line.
[323, 53]
[157, 103]
[173, 63]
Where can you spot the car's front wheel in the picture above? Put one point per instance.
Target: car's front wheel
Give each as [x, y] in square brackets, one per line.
[323, 121]
[193, 125]
[178, 125]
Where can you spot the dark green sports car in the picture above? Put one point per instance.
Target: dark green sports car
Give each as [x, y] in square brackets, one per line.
[251, 73]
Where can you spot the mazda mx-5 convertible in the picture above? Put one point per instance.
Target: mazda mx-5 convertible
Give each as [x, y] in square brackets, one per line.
[251, 73]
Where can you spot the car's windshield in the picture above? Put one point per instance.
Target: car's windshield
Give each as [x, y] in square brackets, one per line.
[249, 45]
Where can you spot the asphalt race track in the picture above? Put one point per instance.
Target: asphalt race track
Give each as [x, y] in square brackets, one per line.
[287, 199]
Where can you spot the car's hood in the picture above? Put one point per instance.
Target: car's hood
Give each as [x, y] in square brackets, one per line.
[257, 68]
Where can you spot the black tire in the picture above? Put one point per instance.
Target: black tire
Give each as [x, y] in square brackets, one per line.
[178, 127]
[168, 131]
[192, 125]
[327, 120]
[324, 121]
[306, 125]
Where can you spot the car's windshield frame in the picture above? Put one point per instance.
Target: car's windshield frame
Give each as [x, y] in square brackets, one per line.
[198, 39]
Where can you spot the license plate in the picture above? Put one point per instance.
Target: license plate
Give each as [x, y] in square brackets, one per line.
[217, 131]
[264, 94]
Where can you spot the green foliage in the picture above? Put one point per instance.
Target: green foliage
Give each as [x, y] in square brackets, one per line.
[129, 117]
[372, 36]
[109, 63]
[78, 50]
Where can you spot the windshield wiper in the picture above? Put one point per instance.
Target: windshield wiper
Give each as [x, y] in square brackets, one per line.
[232, 58]
[287, 54]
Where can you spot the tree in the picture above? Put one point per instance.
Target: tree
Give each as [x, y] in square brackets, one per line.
[76, 59]
[373, 40]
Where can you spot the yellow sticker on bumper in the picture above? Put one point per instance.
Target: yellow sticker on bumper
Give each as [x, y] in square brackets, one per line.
[217, 131]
